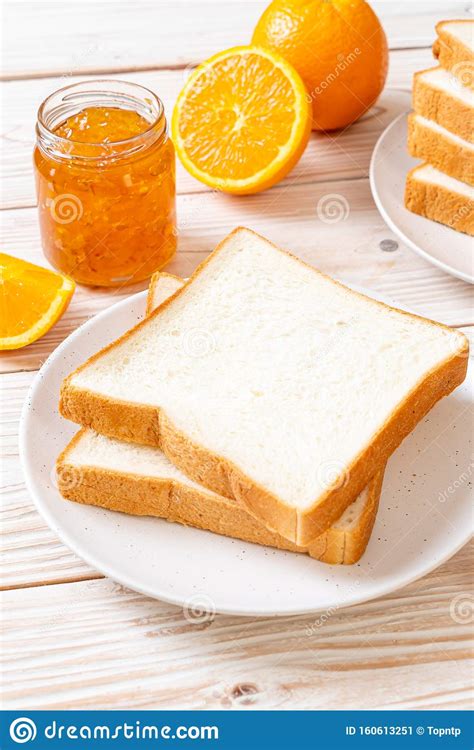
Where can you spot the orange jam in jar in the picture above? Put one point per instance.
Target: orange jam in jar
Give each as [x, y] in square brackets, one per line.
[105, 180]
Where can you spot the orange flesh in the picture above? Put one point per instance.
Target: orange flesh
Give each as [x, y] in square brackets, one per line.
[244, 123]
[31, 301]
[18, 308]
[110, 221]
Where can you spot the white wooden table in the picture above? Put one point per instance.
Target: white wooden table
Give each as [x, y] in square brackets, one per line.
[73, 639]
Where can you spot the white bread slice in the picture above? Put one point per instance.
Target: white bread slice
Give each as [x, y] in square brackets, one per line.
[435, 195]
[162, 286]
[267, 381]
[438, 96]
[344, 542]
[139, 480]
[447, 152]
[454, 49]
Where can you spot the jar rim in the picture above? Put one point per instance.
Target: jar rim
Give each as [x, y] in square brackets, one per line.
[45, 130]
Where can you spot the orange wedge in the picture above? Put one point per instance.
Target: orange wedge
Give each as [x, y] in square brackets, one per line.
[32, 299]
[242, 120]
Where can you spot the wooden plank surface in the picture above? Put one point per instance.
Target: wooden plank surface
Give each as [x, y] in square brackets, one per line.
[333, 156]
[76, 640]
[95, 643]
[68, 38]
[348, 249]
[32, 554]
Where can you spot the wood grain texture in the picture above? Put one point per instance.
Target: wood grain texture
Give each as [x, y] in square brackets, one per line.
[85, 642]
[348, 248]
[97, 645]
[32, 554]
[340, 155]
[60, 37]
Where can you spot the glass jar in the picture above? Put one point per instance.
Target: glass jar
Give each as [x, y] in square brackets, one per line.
[105, 181]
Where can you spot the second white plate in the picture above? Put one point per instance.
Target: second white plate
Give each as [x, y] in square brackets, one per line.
[444, 247]
[424, 516]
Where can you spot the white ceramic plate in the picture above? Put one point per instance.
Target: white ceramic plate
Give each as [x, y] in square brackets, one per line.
[452, 251]
[418, 527]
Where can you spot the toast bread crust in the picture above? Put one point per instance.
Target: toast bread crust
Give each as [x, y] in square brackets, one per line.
[452, 54]
[175, 501]
[442, 107]
[437, 203]
[141, 423]
[442, 152]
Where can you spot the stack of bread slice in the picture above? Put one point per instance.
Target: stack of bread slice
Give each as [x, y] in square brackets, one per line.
[441, 131]
[260, 400]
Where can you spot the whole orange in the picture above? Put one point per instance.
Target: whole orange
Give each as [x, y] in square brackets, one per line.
[339, 49]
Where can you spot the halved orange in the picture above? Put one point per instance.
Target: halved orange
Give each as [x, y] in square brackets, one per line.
[32, 299]
[242, 120]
